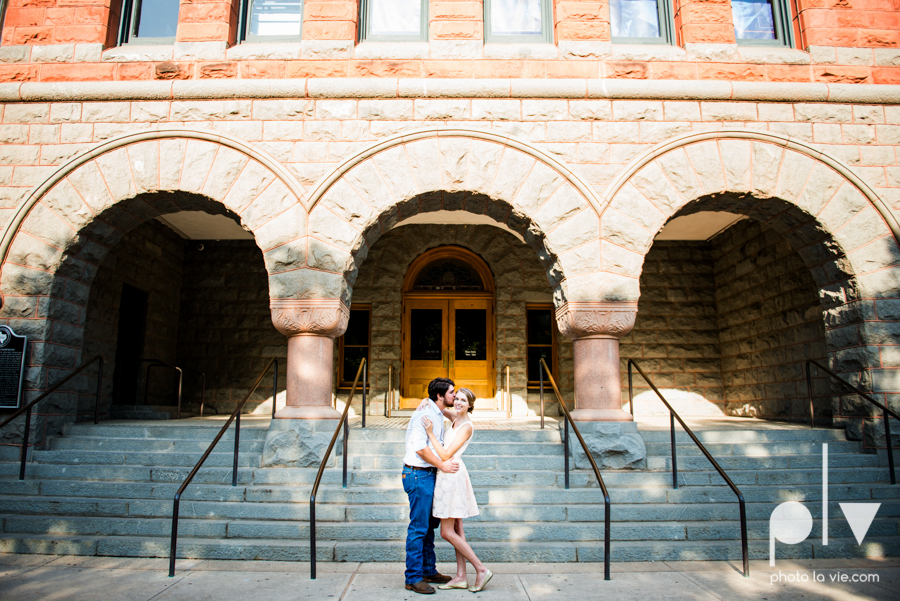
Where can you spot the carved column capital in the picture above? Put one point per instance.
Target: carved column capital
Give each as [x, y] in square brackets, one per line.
[580, 320]
[310, 317]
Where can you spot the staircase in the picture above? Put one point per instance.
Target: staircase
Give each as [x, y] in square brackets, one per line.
[107, 490]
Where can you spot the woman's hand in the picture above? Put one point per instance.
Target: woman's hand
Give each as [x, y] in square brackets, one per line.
[428, 425]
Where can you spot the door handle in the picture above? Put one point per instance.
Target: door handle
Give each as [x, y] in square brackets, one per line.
[451, 359]
[445, 358]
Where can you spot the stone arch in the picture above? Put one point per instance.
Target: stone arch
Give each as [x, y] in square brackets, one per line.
[509, 182]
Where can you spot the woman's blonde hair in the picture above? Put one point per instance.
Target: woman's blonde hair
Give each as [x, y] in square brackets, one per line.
[470, 397]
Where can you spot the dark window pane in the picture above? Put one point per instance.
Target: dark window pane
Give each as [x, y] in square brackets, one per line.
[276, 17]
[534, 362]
[471, 335]
[358, 329]
[753, 19]
[425, 336]
[540, 326]
[353, 356]
[448, 274]
[157, 19]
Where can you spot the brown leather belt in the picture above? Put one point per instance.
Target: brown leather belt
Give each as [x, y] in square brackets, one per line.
[424, 469]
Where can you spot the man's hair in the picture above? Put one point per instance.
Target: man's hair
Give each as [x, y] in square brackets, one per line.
[439, 387]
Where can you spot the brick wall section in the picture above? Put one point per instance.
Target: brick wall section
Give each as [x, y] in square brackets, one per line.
[334, 20]
[150, 258]
[676, 336]
[770, 322]
[456, 20]
[704, 22]
[225, 327]
[850, 23]
[207, 20]
[581, 20]
[57, 22]
[519, 278]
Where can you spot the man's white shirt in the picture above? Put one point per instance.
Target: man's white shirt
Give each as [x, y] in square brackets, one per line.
[417, 437]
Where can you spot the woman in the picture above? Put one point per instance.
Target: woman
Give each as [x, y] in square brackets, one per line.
[454, 498]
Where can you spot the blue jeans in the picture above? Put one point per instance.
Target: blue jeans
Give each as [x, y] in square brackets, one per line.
[420, 560]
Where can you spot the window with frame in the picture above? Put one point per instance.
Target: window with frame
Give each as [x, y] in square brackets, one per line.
[393, 20]
[510, 21]
[762, 22]
[353, 346]
[540, 342]
[271, 20]
[641, 21]
[148, 21]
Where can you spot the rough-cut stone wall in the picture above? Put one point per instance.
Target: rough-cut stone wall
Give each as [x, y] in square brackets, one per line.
[519, 279]
[226, 327]
[675, 339]
[770, 322]
[150, 258]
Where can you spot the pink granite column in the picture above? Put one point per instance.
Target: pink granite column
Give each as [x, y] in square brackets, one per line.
[311, 326]
[595, 328]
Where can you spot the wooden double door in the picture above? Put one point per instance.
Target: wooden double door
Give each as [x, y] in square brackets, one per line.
[450, 337]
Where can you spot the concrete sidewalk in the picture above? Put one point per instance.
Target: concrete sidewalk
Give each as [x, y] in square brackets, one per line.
[51, 578]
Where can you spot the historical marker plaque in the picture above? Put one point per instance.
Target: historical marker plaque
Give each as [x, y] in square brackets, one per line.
[12, 366]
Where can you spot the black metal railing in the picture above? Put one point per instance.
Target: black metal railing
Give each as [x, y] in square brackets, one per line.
[568, 419]
[672, 417]
[360, 373]
[885, 411]
[27, 408]
[235, 417]
[180, 369]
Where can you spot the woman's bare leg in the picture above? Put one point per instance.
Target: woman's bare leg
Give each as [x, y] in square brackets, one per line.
[449, 534]
[460, 559]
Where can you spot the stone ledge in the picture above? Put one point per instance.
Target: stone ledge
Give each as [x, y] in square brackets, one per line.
[618, 89]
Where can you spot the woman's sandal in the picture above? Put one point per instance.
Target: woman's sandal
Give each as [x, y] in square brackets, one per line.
[478, 589]
[448, 586]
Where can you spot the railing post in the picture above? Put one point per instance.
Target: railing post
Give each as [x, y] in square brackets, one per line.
[630, 390]
[674, 457]
[346, 436]
[312, 538]
[274, 387]
[812, 419]
[365, 384]
[744, 552]
[23, 455]
[180, 382]
[237, 441]
[566, 443]
[606, 540]
[97, 401]
[541, 366]
[202, 391]
[890, 446]
[174, 542]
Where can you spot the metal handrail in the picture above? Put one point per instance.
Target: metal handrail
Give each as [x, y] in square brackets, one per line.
[672, 417]
[158, 363]
[885, 411]
[235, 417]
[606, 501]
[27, 408]
[315, 488]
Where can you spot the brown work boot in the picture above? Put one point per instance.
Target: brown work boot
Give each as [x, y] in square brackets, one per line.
[420, 587]
[438, 578]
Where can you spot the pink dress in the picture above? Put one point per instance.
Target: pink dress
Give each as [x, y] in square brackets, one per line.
[453, 493]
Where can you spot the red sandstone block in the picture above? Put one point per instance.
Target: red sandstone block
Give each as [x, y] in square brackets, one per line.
[627, 70]
[673, 70]
[842, 74]
[878, 38]
[788, 72]
[262, 69]
[329, 30]
[24, 17]
[582, 11]
[134, 71]
[93, 14]
[731, 72]
[30, 35]
[889, 75]
[583, 30]
[61, 16]
[20, 72]
[78, 72]
[883, 20]
[696, 13]
[849, 18]
[68, 34]
[385, 68]
[218, 70]
[863, 4]
[316, 69]
[202, 32]
[572, 69]
[817, 18]
[31, 4]
[205, 12]
[457, 30]
[330, 11]
[456, 11]
[488, 68]
[448, 68]
[705, 33]
[534, 69]
[803, 5]
[170, 70]
[831, 37]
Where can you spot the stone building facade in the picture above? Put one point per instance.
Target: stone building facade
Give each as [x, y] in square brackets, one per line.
[564, 165]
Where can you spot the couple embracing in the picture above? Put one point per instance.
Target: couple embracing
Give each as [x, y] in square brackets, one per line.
[439, 490]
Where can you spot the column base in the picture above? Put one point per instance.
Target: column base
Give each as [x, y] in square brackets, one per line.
[307, 412]
[300, 442]
[613, 445]
[601, 415]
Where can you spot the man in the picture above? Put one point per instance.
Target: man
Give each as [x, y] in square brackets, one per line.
[421, 463]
